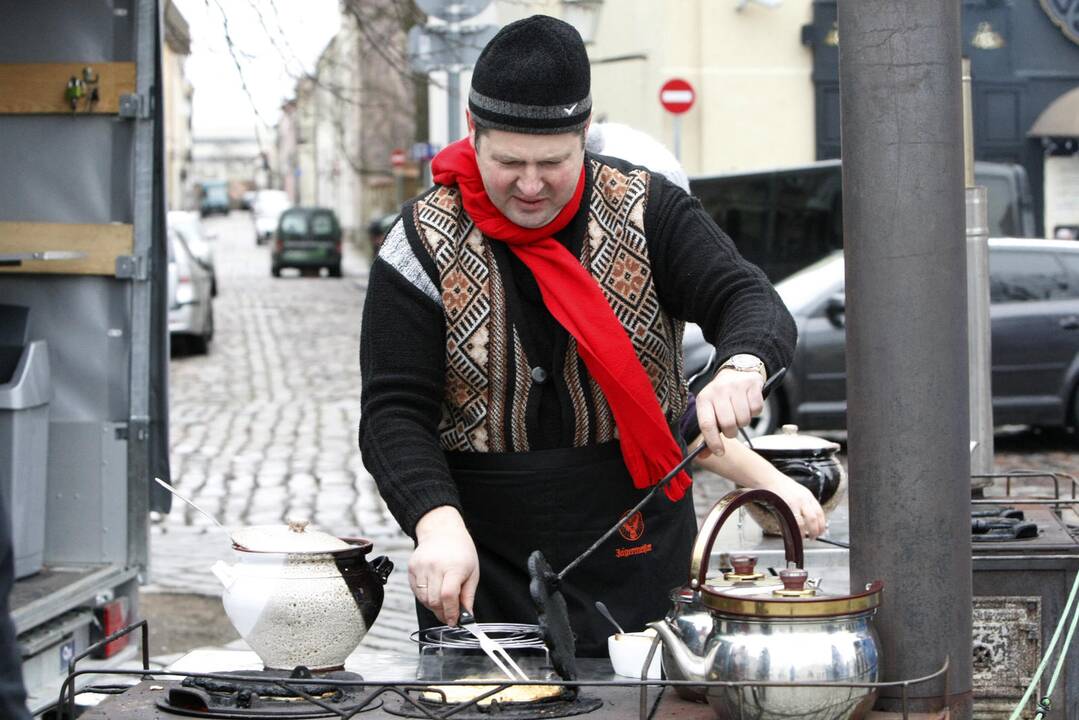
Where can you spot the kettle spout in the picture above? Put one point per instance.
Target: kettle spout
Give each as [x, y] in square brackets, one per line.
[224, 573]
[689, 666]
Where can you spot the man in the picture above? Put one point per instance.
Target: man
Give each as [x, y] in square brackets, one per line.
[521, 353]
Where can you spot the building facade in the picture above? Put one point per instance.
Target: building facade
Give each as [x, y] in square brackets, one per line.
[335, 138]
[1024, 58]
[177, 92]
[746, 62]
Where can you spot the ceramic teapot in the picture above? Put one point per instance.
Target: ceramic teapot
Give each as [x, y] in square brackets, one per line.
[301, 597]
[773, 634]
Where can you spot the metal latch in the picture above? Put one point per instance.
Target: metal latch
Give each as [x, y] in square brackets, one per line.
[135, 106]
[132, 267]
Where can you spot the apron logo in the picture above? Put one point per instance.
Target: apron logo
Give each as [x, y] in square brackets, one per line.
[633, 528]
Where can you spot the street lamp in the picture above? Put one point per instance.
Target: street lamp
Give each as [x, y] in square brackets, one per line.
[583, 15]
[986, 38]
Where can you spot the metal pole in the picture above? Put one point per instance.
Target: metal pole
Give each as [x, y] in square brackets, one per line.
[453, 103]
[677, 122]
[907, 385]
[979, 353]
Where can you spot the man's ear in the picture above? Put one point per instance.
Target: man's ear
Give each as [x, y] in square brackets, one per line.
[471, 130]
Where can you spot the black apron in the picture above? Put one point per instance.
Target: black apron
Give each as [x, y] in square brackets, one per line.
[561, 501]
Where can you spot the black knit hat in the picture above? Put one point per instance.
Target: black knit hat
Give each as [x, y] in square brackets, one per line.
[533, 77]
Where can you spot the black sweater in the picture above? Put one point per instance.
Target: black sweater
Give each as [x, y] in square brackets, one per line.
[699, 276]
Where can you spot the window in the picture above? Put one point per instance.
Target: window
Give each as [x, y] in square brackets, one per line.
[1071, 264]
[1025, 276]
[322, 224]
[294, 224]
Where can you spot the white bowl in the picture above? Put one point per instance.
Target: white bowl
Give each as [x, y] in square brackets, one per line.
[628, 652]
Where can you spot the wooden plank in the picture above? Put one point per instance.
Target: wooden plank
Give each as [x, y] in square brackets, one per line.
[38, 88]
[101, 243]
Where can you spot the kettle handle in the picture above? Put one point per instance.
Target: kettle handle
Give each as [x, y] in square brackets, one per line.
[706, 537]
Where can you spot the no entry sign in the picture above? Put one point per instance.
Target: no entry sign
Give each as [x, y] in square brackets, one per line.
[398, 157]
[676, 96]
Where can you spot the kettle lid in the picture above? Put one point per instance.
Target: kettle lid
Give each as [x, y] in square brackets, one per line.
[789, 440]
[793, 600]
[293, 537]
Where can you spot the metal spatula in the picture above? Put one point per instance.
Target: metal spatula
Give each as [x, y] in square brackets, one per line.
[496, 652]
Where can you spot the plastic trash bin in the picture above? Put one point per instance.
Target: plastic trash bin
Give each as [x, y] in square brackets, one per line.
[24, 445]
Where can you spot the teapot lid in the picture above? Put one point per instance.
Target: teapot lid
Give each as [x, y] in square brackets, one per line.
[793, 600]
[293, 537]
[789, 440]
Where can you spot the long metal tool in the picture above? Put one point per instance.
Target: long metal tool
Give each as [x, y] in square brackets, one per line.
[496, 652]
[768, 384]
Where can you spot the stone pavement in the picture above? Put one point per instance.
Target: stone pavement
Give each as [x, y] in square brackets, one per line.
[263, 428]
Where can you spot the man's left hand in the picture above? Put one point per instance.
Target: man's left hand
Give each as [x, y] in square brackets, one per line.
[729, 402]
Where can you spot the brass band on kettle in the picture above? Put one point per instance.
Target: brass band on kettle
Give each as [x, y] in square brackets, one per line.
[808, 608]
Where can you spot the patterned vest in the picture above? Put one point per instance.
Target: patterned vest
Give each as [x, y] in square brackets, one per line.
[487, 371]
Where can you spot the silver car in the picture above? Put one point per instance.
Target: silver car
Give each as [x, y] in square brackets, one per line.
[191, 311]
[200, 243]
[1034, 313]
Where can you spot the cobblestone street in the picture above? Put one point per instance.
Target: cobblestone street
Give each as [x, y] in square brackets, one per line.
[263, 428]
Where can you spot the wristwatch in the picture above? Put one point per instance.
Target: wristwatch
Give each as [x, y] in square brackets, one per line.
[744, 362]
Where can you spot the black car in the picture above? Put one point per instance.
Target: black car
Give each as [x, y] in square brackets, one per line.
[307, 238]
[1034, 295]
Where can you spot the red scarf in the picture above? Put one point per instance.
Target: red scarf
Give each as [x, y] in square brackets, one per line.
[574, 298]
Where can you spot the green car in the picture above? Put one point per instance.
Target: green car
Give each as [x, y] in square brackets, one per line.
[307, 239]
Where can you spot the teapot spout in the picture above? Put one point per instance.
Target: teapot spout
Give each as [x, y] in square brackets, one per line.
[224, 573]
[689, 666]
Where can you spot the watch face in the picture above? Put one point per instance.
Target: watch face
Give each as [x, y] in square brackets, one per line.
[745, 362]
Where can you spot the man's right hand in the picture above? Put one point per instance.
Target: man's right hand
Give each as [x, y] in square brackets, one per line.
[444, 569]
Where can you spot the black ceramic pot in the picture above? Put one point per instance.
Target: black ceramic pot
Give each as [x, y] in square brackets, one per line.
[810, 461]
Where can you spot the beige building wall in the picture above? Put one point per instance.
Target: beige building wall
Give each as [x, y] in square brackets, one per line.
[177, 92]
[752, 75]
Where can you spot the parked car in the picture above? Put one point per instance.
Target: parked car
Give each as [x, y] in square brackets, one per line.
[307, 238]
[267, 207]
[191, 310]
[214, 198]
[377, 229]
[200, 243]
[247, 200]
[1034, 312]
[786, 218]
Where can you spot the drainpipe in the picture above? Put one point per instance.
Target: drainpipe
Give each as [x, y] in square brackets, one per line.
[907, 384]
[980, 331]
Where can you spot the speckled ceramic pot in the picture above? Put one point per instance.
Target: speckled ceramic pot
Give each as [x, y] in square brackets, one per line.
[301, 597]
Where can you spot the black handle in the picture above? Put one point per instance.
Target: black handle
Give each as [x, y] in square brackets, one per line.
[693, 428]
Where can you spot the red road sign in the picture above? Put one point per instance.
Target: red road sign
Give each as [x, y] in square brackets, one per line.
[676, 96]
[398, 157]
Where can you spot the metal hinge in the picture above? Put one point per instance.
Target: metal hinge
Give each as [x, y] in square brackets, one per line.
[132, 267]
[135, 106]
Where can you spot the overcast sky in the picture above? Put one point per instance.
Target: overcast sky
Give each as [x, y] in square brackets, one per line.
[275, 42]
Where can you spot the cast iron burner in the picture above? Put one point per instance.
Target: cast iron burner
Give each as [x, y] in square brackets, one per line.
[225, 697]
[1000, 524]
[566, 705]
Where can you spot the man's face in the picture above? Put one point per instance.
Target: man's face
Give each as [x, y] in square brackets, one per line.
[529, 178]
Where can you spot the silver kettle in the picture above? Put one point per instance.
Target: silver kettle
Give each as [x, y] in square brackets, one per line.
[779, 634]
[689, 619]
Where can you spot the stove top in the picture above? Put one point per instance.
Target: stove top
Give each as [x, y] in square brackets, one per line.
[390, 690]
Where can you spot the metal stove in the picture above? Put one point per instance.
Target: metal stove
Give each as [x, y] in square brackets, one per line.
[1023, 572]
[212, 683]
